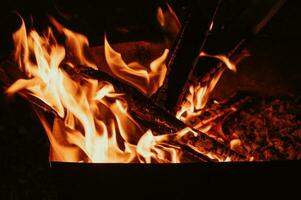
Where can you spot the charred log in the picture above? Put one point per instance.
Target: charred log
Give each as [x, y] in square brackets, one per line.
[185, 54]
[150, 114]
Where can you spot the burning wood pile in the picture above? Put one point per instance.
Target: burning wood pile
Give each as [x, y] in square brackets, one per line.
[141, 102]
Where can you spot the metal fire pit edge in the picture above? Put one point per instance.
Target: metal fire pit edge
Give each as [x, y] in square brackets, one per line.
[176, 181]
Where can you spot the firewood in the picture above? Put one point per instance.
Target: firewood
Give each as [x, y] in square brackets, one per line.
[151, 115]
[201, 121]
[185, 54]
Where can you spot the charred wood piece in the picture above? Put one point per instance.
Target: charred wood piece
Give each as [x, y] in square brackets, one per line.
[184, 56]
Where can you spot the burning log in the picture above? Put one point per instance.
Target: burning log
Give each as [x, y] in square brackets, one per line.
[230, 108]
[9, 72]
[64, 81]
[151, 115]
[143, 109]
[184, 57]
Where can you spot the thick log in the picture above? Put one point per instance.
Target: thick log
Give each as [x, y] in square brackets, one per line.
[183, 59]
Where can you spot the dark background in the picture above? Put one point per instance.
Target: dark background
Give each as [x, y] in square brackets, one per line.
[24, 168]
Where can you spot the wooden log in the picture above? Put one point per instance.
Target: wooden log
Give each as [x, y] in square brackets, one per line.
[151, 115]
[230, 108]
[185, 53]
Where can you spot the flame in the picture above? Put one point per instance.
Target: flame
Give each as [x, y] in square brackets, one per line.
[76, 44]
[230, 65]
[166, 148]
[157, 148]
[146, 79]
[198, 94]
[169, 23]
[197, 99]
[92, 122]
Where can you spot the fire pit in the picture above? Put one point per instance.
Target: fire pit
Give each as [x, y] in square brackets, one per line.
[161, 96]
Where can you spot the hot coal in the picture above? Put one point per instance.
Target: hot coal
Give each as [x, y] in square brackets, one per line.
[267, 128]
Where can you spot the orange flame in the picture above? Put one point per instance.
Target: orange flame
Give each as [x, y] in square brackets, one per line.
[198, 94]
[92, 122]
[157, 148]
[76, 44]
[146, 79]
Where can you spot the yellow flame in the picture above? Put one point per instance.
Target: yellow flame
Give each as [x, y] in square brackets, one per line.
[93, 124]
[198, 94]
[157, 148]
